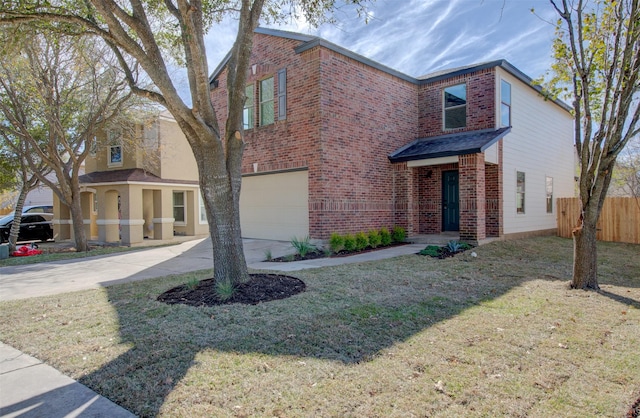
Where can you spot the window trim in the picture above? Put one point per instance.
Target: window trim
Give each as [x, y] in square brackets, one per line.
[521, 195]
[182, 222]
[110, 155]
[266, 102]
[503, 103]
[249, 107]
[445, 108]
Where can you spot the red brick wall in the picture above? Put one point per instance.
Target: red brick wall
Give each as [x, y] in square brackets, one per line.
[343, 119]
[472, 197]
[480, 103]
[366, 115]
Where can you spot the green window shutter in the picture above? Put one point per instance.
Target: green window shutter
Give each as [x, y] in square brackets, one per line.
[282, 94]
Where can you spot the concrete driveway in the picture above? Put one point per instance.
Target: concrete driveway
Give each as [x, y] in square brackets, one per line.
[19, 282]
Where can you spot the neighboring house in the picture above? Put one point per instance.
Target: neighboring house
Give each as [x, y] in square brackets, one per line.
[336, 142]
[40, 196]
[139, 183]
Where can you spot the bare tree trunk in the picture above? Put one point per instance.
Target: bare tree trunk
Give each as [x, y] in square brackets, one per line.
[221, 190]
[585, 260]
[17, 217]
[77, 220]
[229, 265]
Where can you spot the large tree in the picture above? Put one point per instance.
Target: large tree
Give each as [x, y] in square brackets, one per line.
[56, 93]
[154, 33]
[597, 53]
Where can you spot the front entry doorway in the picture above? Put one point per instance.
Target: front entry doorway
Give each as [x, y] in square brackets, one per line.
[450, 201]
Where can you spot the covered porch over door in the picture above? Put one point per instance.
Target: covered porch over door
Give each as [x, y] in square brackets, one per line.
[451, 183]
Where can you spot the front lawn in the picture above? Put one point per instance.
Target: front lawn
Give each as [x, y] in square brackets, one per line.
[499, 334]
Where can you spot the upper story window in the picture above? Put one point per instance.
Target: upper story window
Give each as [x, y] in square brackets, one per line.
[114, 149]
[247, 111]
[505, 103]
[455, 106]
[266, 102]
[115, 156]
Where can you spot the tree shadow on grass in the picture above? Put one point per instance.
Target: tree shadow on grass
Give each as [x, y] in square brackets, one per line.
[348, 314]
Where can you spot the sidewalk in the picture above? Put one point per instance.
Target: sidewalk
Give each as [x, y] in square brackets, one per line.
[30, 388]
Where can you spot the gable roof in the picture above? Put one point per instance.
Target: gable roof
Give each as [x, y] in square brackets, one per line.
[449, 145]
[308, 41]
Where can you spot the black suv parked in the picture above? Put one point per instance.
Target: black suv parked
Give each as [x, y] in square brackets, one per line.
[33, 226]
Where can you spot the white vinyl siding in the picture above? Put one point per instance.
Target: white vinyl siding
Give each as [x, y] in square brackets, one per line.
[540, 144]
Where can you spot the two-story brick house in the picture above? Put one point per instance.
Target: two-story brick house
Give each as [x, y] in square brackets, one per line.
[140, 182]
[336, 142]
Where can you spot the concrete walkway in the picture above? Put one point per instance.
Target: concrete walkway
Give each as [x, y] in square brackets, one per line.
[30, 388]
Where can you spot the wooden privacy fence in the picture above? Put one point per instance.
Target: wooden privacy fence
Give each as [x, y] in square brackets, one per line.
[619, 220]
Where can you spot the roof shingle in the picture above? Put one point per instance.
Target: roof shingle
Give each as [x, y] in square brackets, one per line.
[449, 145]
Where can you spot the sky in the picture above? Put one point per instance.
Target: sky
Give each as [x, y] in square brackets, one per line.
[418, 37]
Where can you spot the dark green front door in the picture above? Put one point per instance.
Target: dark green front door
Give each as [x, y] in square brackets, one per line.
[450, 201]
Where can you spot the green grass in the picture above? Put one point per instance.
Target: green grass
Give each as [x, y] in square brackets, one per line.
[496, 335]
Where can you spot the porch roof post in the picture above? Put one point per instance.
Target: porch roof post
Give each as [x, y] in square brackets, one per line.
[472, 197]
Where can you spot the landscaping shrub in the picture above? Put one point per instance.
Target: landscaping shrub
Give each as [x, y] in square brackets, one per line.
[349, 242]
[453, 246]
[225, 290]
[374, 238]
[385, 236]
[336, 242]
[398, 234]
[303, 246]
[431, 250]
[362, 241]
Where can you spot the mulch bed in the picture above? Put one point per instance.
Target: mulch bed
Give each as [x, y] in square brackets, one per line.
[260, 288]
[320, 254]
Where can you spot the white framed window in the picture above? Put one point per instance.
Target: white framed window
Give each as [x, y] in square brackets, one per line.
[266, 102]
[520, 189]
[505, 103]
[247, 111]
[179, 208]
[203, 210]
[94, 208]
[114, 149]
[455, 106]
[549, 190]
[115, 156]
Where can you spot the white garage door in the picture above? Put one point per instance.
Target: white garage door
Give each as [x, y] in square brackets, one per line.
[275, 206]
